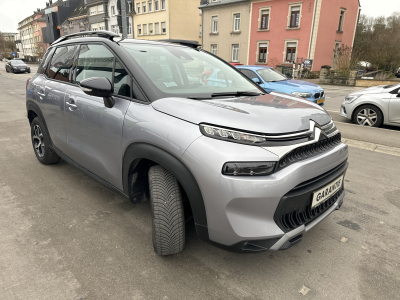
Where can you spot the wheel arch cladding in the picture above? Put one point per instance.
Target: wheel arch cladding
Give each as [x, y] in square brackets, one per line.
[175, 166]
[33, 110]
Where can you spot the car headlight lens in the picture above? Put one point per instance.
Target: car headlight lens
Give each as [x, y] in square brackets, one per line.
[302, 95]
[231, 135]
[350, 99]
[248, 168]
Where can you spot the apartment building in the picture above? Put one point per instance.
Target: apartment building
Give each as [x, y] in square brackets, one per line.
[286, 31]
[26, 37]
[167, 19]
[9, 36]
[77, 20]
[226, 28]
[115, 18]
[97, 14]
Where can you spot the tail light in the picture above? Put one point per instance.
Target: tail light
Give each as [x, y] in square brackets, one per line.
[27, 82]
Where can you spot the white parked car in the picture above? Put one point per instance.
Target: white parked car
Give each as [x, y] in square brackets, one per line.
[373, 106]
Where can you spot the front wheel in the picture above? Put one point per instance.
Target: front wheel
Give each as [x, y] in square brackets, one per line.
[41, 143]
[167, 212]
[368, 115]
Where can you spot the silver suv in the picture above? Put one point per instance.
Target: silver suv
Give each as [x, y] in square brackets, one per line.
[254, 171]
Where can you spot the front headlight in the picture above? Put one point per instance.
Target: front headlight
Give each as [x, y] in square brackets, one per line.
[350, 99]
[302, 95]
[248, 168]
[231, 135]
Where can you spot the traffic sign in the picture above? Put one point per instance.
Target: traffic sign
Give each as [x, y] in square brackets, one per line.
[13, 54]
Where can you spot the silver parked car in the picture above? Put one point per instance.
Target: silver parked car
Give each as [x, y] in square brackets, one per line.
[254, 171]
[373, 106]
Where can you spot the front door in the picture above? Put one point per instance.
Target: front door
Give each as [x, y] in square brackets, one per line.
[95, 131]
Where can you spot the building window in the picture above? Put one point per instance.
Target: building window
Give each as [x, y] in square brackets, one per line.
[264, 24]
[144, 6]
[291, 52]
[130, 6]
[139, 29]
[93, 10]
[215, 24]
[162, 4]
[235, 52]
[93, 27]
[341, 20]
[262, 53]
[163, 28]
[138, 8]
[100, 9]
[236, 22]
[294, 17]
[156, 7]
[144, 29]
[115, 29]
[151, 28]
[130, 29]
[150, 5]
[214, 49]
[102, 26]
[157, 28]
[113, 10]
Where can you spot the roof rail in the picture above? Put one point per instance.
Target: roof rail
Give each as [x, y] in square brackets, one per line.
[99, 33]
[191, 44]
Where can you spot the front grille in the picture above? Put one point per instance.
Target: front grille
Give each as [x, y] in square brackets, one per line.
[308, 151]
[319, 95]
[298, 214]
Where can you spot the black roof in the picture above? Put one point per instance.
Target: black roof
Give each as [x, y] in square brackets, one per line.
[80, 10]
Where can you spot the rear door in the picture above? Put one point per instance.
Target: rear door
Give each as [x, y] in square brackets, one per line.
[95, 131]
[50, 91]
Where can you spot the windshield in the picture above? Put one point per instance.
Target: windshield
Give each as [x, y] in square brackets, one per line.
[17, 62]
[271, 75]
[176, 71]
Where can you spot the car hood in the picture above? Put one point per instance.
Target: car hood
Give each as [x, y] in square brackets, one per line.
[371, 90]
[273, 113]
[292, 85]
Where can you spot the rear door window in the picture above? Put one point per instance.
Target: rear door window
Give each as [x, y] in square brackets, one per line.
[61, 63]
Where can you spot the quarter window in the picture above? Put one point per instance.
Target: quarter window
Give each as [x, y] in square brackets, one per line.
[122, 81]
[94, 61]
[235, 52]
[61, 63]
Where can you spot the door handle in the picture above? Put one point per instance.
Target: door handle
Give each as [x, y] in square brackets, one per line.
[71, 105]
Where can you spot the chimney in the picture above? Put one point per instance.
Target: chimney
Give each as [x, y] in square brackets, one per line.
[51, 2]
[47, 4]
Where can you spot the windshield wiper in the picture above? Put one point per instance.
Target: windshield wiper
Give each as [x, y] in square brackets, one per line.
[236, 94]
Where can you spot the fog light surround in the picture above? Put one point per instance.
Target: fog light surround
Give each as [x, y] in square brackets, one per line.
[248, 168]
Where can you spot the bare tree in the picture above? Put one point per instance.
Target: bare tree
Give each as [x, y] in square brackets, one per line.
[40, 49]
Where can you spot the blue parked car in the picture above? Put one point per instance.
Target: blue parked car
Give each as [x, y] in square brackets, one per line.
[272, 80]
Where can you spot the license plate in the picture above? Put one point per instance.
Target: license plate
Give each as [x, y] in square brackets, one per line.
[319, 101]
[327, 191]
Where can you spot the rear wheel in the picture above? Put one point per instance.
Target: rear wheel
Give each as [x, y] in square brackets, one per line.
[41, 143]
[167, 212]
[368, 115]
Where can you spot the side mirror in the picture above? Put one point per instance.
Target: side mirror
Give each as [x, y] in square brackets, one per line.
[257, 80]
[99, 87]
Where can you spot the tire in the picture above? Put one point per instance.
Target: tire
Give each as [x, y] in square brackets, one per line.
[41, 143]
[167, 212]
[368, 115]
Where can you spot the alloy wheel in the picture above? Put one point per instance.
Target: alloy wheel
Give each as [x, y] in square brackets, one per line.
[38, 141]
[367, 117]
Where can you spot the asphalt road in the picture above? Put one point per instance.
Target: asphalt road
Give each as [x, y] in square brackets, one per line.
[65, 236]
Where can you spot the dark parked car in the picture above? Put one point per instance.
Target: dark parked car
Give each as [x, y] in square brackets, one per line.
[398, 73]
[17, 66]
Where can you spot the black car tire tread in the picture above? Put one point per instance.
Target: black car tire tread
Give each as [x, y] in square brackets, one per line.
[167, 212]
[375, 108]
[50, 156]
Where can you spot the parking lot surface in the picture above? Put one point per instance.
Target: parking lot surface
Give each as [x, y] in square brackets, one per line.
[65, 236]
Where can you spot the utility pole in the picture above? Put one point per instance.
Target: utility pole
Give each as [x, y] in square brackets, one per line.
[123, 16]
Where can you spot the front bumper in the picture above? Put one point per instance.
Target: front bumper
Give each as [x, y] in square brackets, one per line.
[312, 99]
[241, 210]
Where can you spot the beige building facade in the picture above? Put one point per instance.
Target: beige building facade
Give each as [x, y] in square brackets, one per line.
[167, 19]
[226, 28]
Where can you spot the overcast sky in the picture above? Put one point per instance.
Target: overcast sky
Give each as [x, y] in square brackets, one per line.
[14, 11]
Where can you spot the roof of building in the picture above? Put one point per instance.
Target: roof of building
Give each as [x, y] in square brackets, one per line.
[219, 2]
[80, 10]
